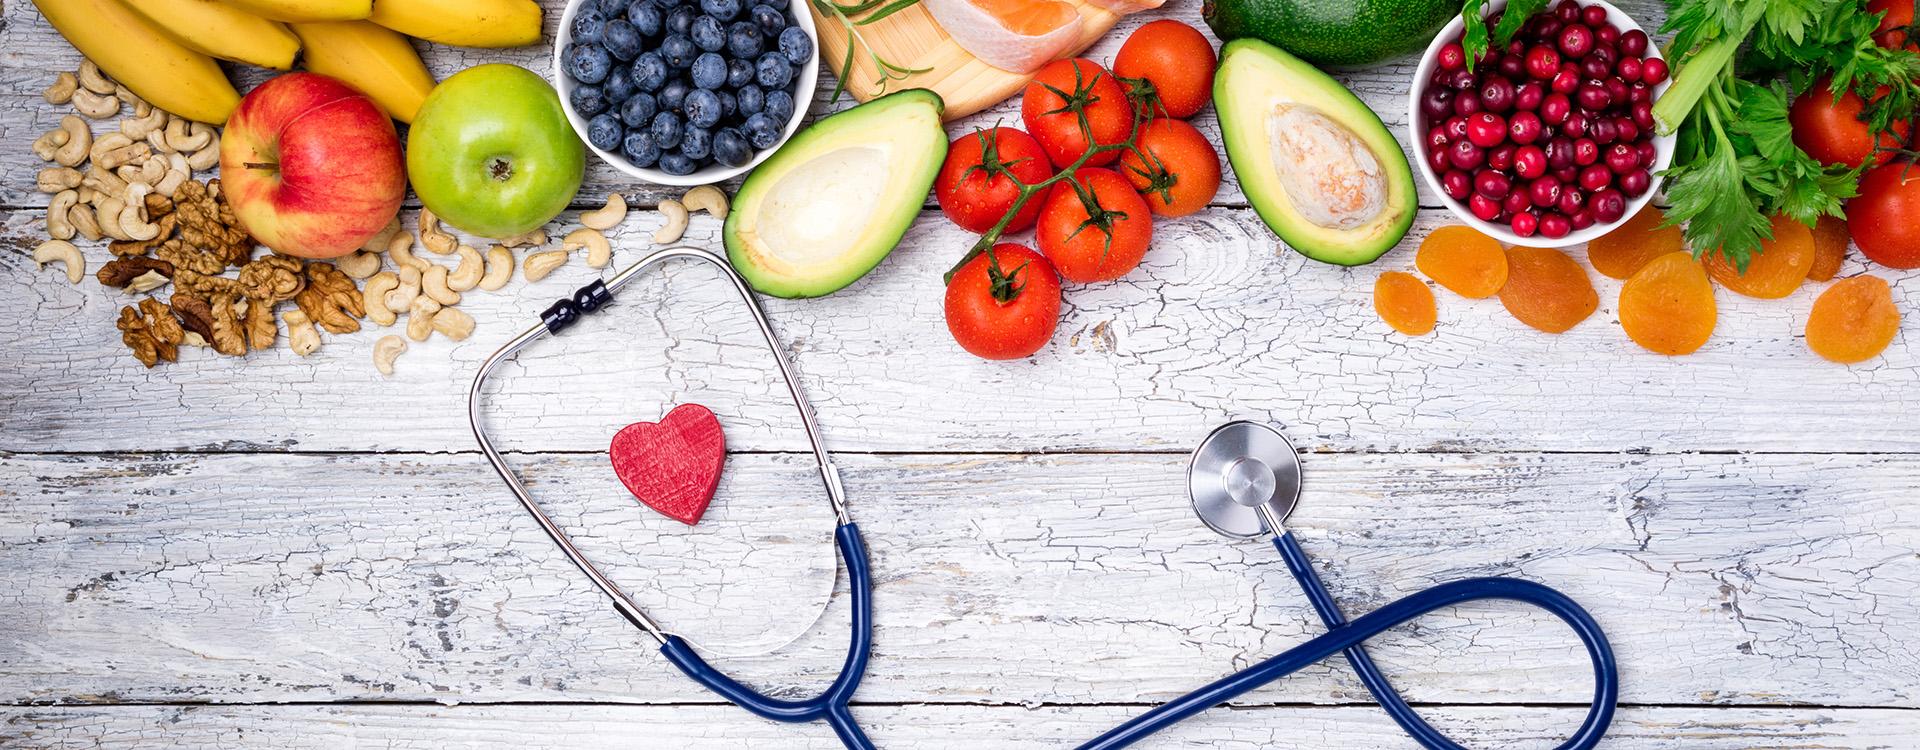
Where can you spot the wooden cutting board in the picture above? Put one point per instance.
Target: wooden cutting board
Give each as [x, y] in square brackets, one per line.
[912, 39]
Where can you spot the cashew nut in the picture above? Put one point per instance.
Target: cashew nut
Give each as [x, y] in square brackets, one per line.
[534, 237]
[108, 184]
[471, 267]
[453, 323]
[55, 179]
[302, 337]
[420, 317]
[373, 296]
[133, 216]
[92, 79]
[62, 89]
[706, 198]
[177, 174]
[141, 108]
[378, 242]
[435, 239]
[676, 222]
[147, 282]
[385, 351]
[79, 142]
[204, 159]
[158, 140]
[84, 223]
[49, 143]
[599, 251]
[608, 216]
[402, 296]
[114, 149]
[538, 265]
[96, 106]
[400, 249]
[358, 264]
[59, 226]
[139, 128]
[65, 252]
[433, 283]
[183, 136]
[499, 268]
[107, 212]
[147, 170]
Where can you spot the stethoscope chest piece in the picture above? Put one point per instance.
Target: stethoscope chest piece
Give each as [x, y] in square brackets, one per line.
[1241, 472]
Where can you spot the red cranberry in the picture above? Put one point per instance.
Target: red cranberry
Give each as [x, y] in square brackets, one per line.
[1595, 177]
[1524, 127]
[1640, 93]
[1452, 56]
[1635, 184]
[1576, 41]
[1643, 115]
[1513, 66]
[1524, 224]
[1437, 139]
[1606, 37]
[1457, 184]
[1554, 226]
[1583, 219]
[1555, 108]
[1608, 206]
[1567, 175]
[1545, 192]
[1529, 161]
[1437, 102]
[1491, 184]
[1542, 62]
[1628, 69]
[1592, 96]
[1440, 159]
[1571, 201]
[1602, 130]
[1567, 11]
[1575, 126]
[1560, 152]
[1466, 103]
[1545, 27]
[1500, 158]
[1486, 208]
[1594, 67]
[1634, 43]
[1593, 15]
[1585, 151]
[1496, 95]
[1461, 80]
[1486, 129]
[1625, 129]
[1456, 128]
[1617, 90]
[1566, 81]
[1648, 154]
[1529, 95]
[1653, 71]
[1515, 202]
[1465, 155]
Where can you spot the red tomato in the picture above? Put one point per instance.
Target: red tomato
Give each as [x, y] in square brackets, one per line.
[1089, 248]
[975, 197]
[1184, 164]
[1892, 30]
[1832, 131]
[1176, 59]
[1004, 305]
[1881, 217]
[1055, 122]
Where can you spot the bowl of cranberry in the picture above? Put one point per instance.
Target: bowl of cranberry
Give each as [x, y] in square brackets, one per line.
[1548, 141]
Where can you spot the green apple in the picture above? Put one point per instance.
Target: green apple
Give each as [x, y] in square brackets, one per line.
[491, 152]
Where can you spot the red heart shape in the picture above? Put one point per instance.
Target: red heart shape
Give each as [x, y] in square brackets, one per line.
[672, 466]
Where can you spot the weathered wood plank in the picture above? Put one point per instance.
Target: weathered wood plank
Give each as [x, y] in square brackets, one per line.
[1217, 324]
[920, 727]
[1777, 579]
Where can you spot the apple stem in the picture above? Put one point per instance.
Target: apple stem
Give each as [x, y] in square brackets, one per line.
[263, 165]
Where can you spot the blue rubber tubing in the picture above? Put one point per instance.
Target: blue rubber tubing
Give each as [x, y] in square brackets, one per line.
[1346, 637]
[830, 705]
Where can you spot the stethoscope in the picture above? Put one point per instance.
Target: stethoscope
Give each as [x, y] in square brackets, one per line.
[1243, 481]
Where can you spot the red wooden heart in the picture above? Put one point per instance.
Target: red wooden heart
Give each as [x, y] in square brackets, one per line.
[674, 465]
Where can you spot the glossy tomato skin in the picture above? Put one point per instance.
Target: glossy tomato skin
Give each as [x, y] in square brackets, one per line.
[1895, 14]
[990, 329]
[1084, 255]
[1881, 218]
[1832, 131]
[1177, 59]
[1109, 114]
[976, 200]
[1185, 154]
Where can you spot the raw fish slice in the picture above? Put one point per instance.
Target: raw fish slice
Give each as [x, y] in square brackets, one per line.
[1125, 7]
[1014, 35]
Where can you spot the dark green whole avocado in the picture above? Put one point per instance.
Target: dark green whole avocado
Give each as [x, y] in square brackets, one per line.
[1333, 32]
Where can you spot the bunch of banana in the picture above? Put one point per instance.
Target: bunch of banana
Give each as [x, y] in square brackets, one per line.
[164, 50]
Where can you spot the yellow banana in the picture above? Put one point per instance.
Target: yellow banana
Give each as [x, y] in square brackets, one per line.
[463, 23]
[222, 31]
[306, 10]
[374, 58]
[145, 59]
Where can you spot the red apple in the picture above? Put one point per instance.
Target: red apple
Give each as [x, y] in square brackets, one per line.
[311, 166]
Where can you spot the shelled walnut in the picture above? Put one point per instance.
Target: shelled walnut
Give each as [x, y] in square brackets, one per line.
[119, 273]
[331, 299]
[151, 331]
[273, 277]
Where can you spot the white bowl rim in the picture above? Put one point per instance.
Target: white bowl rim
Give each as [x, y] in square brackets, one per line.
[808, 78]
[1663, 145]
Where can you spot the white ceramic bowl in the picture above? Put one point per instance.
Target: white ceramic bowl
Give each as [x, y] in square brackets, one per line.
[1417, 136]
[806, 78]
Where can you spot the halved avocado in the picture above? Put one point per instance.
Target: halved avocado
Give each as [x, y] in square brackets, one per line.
[1318, 165]
[830, 205]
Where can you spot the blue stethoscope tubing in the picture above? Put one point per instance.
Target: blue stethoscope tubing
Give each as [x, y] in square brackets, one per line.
[832, 704]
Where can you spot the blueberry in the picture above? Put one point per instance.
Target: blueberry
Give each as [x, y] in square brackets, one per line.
[649, 71]
[588, 100]
[753, 99]
[622, 40]
[728, 105]
[587, 63]
[645, 17]
[773, 71]
[771, 19]
[796, 45]
[709, 71]
[672, 94]
[697, 144]
[638, 110]
[604, 132]
[640, 148]
[779, 106]
[680, 20]
[666, 129]
[677, 164]
[763, 131]
[730, 147]
[744, 41]
[607, 8]
[739, 73]
[702, 108]
[619, 84]
[587, 25]
[724, 10]
[678, 51]
[708, 34]
[668, 4]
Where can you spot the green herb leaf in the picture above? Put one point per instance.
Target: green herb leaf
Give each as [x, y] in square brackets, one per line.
[1474, 38]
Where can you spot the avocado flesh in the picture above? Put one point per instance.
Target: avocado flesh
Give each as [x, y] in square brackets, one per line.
[835, 200]
[1318, 166]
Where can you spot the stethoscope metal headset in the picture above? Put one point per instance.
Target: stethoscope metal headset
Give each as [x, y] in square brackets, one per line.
[1243, 481]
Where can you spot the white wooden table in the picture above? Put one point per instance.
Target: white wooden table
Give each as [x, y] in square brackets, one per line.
[287, 552]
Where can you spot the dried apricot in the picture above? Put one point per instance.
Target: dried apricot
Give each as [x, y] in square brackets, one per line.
[1853, 320]
[1830, 240]
[1546, 289]
[1621, 252]
[1463, 260]
[1667, 307]
[1776, 270]
[1404, 302]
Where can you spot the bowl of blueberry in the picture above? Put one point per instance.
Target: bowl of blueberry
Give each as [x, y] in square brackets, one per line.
[685, 92]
